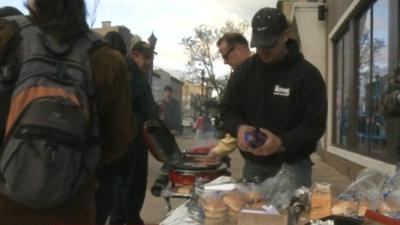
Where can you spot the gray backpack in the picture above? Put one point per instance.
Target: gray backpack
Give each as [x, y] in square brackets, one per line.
[51, 144]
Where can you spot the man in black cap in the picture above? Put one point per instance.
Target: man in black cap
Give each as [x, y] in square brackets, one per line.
[131, 188]
[281, 93]
[9, 11]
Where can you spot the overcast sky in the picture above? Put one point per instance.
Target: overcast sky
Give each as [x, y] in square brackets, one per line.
[170, 20]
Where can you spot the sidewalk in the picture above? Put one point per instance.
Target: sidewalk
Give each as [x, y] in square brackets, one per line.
[154, 208]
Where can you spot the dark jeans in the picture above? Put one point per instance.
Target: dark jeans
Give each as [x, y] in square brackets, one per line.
[302, 171]
[107, 179]
[131, 188]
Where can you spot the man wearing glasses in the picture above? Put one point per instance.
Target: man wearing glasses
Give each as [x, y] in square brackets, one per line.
[234, 49]
[281, 93]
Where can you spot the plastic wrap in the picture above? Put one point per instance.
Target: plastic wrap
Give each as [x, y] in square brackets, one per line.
[361, 195]
[279, 190]
[389, 203]
[253, 193]
[321, 200]
[180, 216]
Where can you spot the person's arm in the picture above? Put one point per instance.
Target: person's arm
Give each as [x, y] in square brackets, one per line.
[116, 123]
[233, 104]
[312, 114]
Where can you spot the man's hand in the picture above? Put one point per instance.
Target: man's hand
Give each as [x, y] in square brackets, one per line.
[271, 145]
[240, 137]
[211, 157]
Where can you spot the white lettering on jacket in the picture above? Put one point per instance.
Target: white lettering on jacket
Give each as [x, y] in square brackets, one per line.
[281, 91]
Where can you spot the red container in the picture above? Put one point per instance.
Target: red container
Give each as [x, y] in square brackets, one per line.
[183, 169]
[201, 150]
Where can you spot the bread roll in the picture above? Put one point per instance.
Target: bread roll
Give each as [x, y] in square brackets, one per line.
[345, 207]
[363, 206]
[253, 197]
[258, 205]
[213, 205]
[234, 201]
[388, 207]
[215, 215]
[214, 221]
[233, 214]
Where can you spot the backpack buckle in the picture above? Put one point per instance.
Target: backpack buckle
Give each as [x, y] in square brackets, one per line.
[5, 74]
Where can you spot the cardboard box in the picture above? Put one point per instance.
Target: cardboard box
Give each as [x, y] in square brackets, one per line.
[259, 217]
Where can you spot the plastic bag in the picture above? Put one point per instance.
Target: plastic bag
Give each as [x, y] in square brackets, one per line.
[253, 193]
[180, 216]
[280, 189]
[389, 203]
[361, 195]
[321, 200]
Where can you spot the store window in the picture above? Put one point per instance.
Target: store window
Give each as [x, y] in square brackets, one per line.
[343, 90]
[361, 77]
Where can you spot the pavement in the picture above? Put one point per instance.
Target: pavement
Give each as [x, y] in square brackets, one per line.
[154, 210]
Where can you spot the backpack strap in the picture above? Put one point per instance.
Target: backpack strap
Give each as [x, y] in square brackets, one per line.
[8, 68]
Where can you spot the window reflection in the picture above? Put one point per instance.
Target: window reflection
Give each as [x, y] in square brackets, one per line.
[339, 91]
[373, 77]
[364, 48]
[347, 86]
[380, 70]
[358, 124]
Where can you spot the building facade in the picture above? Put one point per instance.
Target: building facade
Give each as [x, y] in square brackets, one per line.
[355, 45]
[190, 99]
[163, 78]
[126, 34]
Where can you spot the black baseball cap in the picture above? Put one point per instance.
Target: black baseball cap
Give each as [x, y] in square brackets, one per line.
[144, 48]
[268, 24]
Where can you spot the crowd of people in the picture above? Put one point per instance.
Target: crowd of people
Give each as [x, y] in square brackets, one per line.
[50, 60]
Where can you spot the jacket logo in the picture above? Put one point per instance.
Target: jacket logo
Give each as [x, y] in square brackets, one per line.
[262, 28]
[281, 91]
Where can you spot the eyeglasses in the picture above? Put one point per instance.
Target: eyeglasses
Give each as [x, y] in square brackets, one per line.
[226, 54]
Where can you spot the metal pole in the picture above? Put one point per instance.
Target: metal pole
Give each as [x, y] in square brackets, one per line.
[152, 42]
[202, 83]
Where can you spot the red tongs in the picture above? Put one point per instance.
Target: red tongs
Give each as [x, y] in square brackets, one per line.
[381, 218]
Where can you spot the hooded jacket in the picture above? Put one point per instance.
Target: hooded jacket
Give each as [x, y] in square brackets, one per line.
[287, 98]
[143, 103]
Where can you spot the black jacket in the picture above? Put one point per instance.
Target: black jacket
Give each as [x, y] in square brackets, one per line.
[288, 98]
[172, 114]
[143, 103]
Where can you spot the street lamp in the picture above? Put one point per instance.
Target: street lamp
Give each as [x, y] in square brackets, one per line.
[152, 42]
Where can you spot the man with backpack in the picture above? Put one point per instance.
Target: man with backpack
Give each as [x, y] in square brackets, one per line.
[69, 113]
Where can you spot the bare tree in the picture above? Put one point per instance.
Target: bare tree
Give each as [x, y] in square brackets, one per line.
[93, 13]
[365, 49]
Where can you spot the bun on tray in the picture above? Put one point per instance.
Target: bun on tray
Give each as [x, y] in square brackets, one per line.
[234, 201]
